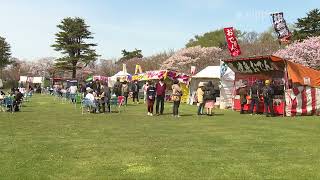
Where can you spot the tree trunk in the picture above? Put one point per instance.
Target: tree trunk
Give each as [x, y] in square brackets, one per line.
[74, 72]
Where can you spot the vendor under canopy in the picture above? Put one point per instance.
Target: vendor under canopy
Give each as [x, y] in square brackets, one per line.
[286, 77]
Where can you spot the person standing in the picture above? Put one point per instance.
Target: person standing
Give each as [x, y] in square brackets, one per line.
[151, 95]
[117, 88]
[145, 88]
[161, 94]
[243, 92]
[73, 91]
[96, 86]
[176, 97]
[106, 94]
[268, 93]
[125, 91]
[209, 97]
[254, 95]
[200, 93]
[135, 92]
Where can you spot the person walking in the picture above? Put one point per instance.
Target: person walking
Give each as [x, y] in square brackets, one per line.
[268, 94]
[161, 94]
[176, 97]
[135, 92]
[125, 92]
[151, 95]
[145, 88]
[209, 97]
[200, 93]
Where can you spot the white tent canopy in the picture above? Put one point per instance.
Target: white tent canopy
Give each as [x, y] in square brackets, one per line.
[221, 76]
[120, 74]
[211, 72]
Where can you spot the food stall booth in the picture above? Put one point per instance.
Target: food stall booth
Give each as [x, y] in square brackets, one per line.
[168, 76]
[296, 87]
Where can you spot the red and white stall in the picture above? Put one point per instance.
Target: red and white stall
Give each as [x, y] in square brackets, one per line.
[296, 86]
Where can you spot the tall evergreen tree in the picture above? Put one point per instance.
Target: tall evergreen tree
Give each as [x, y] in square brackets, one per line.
[214, 38]
[70, 41]
[308, 26]
[5, 54]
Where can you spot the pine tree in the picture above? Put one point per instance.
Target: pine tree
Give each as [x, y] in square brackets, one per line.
[70, 41]
[308, 26]
[5, 54]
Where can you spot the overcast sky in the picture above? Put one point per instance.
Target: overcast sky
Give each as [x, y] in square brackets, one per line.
[150, 25]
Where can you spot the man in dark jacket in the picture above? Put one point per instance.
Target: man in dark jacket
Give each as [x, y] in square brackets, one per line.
[106, 94]
[268, 93]
[161, 93]
[254, 94]
[117, 88]
[243, 92]
[135, 91]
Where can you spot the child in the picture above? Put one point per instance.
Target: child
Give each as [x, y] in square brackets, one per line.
[151, 95]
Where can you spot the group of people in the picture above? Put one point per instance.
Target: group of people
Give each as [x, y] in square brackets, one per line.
[206, 98]
[98, 95]
[16, 96]
[156, 93]
[257, 93]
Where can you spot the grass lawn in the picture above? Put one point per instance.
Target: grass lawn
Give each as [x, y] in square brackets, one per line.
[51, 140]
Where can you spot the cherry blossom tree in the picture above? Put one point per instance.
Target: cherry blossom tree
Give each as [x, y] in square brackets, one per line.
[306, 52]
[197, 56]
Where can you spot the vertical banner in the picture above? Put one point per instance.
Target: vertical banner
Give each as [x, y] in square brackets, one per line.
[138, 69]
[193, 70]
[281, 27]
[124, 68]
[231, 39]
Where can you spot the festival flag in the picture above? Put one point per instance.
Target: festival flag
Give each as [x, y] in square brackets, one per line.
[138, 69]
[281, 27]
[233, 45]
[193, 70]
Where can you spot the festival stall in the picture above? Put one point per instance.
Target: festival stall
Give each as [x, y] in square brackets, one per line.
[222, 78]
[123, 76]
[210, 73]
[168, 76]
[296, 87]
[33, 80]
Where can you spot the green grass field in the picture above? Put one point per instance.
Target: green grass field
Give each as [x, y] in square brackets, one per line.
[51, 140]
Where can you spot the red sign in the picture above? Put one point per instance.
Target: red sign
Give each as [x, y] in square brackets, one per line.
[233, 45]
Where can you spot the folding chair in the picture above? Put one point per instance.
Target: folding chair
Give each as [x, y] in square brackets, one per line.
[88, 105]
[114, 103]
[8, 103]
[2, 107]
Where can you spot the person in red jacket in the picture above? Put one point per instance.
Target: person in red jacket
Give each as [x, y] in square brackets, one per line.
[161, 94]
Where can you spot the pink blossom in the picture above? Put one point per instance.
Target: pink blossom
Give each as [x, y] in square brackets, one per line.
[306, 52]
[198, 56]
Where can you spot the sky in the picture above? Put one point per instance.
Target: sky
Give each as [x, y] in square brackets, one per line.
[150, 25]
